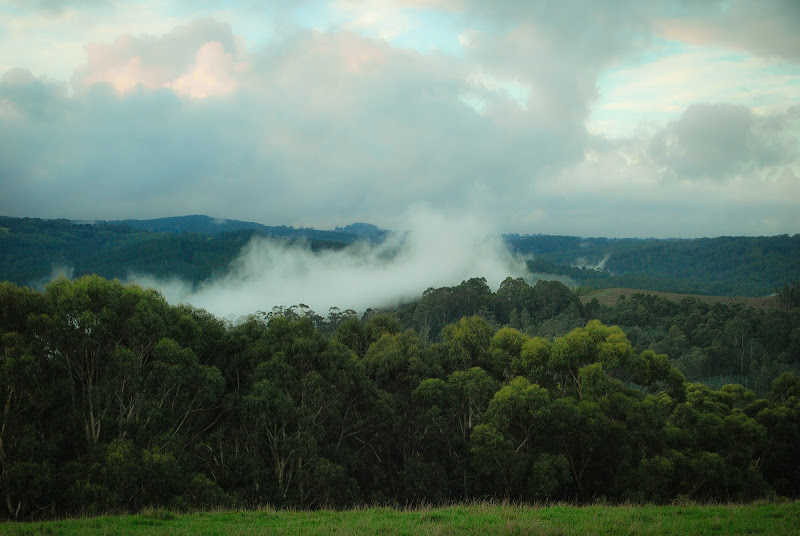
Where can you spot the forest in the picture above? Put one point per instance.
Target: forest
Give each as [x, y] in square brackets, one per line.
[31, 249]
[726, 265]
[115, 400]
[198, 248]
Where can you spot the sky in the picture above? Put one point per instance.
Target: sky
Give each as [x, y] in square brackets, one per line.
[621, 118]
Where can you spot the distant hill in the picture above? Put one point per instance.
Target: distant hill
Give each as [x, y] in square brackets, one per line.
[210, 226]
[362, 229]
[192, 248]
[197, 247]
[723, 266]
[189, 224]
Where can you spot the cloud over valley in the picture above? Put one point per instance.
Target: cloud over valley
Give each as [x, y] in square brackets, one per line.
[433, 251]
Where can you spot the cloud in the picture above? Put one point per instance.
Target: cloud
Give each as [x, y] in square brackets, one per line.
[620, 190]
[211, 74]
[719, 141]
[55, 7]
[763, 27]
[249, 113]
[197, 59]
[322, 127]
[24, 94]
[436, 251]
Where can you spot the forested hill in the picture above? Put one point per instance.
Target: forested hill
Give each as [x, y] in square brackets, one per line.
[207, 225]
[191, 248]
[723, 266]
[194, 248]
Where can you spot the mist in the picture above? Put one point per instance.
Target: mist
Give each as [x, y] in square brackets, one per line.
[57, 271]
[432, 251]
[582, 262]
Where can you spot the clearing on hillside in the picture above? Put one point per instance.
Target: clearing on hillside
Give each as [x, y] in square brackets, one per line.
[609, 296]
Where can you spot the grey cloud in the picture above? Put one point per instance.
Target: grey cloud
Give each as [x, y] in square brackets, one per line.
[766, 27]
[558, 49]
[55, 7]
[594, 30]
[603, 31]
[684, 218]
[38, 99]
[105, 155]
[324, 127]
[717, 141]
[400, 123]
[29, 106]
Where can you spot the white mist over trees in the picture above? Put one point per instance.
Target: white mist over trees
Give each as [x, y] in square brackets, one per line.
[435, 251]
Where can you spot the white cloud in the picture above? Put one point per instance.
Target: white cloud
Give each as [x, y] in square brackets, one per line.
[720, 141]
[210, 75]
[199, 59]
[53, 42]
[383, 18]
[436, 251]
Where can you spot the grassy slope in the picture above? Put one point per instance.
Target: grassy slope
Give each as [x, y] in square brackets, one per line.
[608, 296]
[773, 519]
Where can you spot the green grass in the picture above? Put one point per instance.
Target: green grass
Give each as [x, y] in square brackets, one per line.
[767, 518]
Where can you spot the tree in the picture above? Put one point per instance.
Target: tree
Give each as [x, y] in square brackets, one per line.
[467, 343]
[446, 413]
[513, 446]
[513, 296]
[505, 349]
[789, 294]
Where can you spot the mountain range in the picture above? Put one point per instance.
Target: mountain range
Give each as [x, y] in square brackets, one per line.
[196, 248]
[207, 225]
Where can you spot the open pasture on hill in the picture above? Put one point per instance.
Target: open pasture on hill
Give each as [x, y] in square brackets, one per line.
[609, 296]
[765, 518]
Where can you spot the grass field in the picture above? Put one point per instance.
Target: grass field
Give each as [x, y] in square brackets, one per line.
[772, 519]
[608, 296]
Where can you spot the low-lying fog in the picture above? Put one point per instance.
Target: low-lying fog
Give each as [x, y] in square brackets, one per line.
[436, 251]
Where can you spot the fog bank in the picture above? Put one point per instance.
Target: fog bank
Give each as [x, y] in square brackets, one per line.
[435, 251]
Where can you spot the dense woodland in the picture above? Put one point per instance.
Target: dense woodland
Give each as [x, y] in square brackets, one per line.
[114, 400]
[723, 266]
[712, 343]
[32, 249]
[193, 249]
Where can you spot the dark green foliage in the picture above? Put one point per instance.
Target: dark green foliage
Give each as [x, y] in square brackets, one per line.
[789, 295]
[715, 344]
[727, 266]
[114, 400]
[33, 250]
[547, 305]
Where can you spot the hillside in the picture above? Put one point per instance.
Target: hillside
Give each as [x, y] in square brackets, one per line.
[609, 297]
[194, 248]
[725, 266]
[209, 226]
[32, 250]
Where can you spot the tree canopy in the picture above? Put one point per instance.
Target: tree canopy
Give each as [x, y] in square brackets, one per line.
[115, 400]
